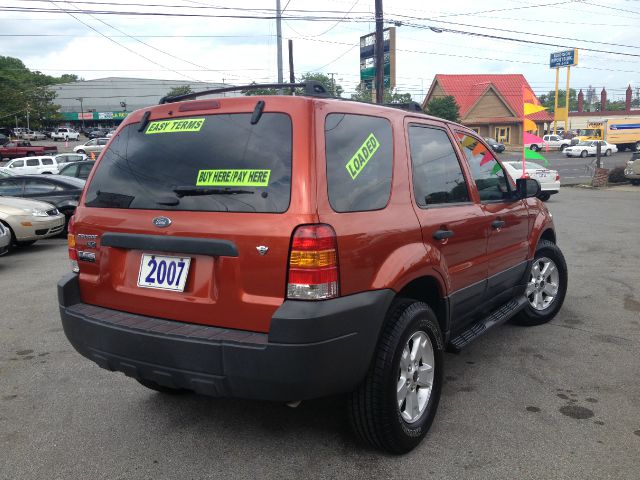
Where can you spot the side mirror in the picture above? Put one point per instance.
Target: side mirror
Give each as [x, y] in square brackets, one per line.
[527, 187]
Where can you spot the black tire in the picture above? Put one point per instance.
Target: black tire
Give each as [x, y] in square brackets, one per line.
[584, 153]
[544, 196]
[161, 388]
[534, 147]
[373, 408]
[607, 153]
[635, 182]
[563, 146]
[529, 316]
[81, 151]
[31, 154]
[27, 243]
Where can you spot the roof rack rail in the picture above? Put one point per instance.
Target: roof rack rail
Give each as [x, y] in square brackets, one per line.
[411, 106]
[312, 88]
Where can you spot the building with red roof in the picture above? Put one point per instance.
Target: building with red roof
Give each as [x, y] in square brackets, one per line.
[492, 105]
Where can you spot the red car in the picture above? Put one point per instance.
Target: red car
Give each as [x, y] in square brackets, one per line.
[22, 148]
[291, 247]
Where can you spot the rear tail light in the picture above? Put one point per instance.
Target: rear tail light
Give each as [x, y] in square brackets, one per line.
[313, 263]
[71, 243]
[557, 177]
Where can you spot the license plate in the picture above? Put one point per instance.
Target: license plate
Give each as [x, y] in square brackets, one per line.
[164, 273]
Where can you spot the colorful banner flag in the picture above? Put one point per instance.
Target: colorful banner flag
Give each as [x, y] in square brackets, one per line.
[530, 108]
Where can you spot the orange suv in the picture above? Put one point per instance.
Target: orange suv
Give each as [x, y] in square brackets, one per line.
[286, 248]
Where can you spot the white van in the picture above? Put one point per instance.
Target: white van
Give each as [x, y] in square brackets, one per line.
[65, 134]
[33, 165]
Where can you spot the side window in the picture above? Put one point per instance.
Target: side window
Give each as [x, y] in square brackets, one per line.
[34, 186]
[437, 175]
[33, 162]
[9, 186]
[18, 163]
[71, 170]
[47, 161]
[91, 142]
[85, 170]
[488, 174]
[359, 153]
[103, 141]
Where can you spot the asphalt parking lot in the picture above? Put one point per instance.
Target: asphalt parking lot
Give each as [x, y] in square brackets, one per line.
[560, 401]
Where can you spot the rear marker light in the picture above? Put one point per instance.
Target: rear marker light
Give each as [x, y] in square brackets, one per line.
[313, 263]
[71, 244]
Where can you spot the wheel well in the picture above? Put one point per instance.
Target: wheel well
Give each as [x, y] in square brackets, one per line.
[548, 235]
[427, 290]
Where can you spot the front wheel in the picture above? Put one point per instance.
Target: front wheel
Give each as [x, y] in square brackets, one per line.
[535, 148]
[546, 287]
[394, 407]
[544, 196]
[607, 153]
[81, 151]
[584, 153]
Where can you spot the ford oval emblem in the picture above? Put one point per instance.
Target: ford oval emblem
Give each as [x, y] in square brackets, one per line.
[161, 222]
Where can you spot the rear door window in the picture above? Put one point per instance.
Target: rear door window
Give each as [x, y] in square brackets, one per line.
[359, 154]
[10, 186]
[33, 162]
[210, 163]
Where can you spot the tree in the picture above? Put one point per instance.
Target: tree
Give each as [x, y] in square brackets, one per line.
[22, 91]
[548, 100]
[179, 90]
[444, 107]
[363, 94]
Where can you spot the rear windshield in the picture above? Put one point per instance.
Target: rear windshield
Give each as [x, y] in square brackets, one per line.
[218, 163]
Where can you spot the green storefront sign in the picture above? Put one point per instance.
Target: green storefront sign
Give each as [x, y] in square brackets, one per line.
[76, 116]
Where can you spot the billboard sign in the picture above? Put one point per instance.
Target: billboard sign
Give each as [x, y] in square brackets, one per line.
[368, 58]
[567, 58]
[94, 115]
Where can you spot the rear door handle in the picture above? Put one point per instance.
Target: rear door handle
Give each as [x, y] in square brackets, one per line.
[442, 234]
[498, 224]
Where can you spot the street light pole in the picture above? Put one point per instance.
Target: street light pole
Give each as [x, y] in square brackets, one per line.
[279, 42]
[80, 99]
[379, 52]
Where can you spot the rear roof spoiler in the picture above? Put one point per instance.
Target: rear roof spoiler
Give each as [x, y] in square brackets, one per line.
[312, 88]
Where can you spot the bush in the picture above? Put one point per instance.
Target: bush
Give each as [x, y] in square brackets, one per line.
[616, 175]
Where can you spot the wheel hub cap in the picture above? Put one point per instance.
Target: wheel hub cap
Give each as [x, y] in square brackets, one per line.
[544, 281]
[415, 377]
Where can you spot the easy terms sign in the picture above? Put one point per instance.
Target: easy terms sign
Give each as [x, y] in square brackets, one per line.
[567, 58]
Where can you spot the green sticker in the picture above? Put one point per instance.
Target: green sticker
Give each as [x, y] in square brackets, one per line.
[175, 126]
[233, 178]
[362, 156]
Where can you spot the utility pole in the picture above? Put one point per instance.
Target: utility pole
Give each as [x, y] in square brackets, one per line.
[80, 99]
[379, 50]
[279, 42]
[333, 84]
[27, 116]
[292, 77]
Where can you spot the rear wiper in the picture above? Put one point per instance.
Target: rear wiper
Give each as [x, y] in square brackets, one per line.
[193, 191]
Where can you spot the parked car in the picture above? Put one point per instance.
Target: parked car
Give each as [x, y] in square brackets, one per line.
[64, 158]
[590, 147]
[495, 145]
[61, 191]
[18, 132]
[4, 139]
[632, 170]
[5, 239]
[78, 169]
[23, 148]
[110, 133]
[33, 165]
[95, 146]
[34, 135]
[554, 142]
[29, 220]
[65, 134]
[299, 262]
[98, 133]
[549, 179]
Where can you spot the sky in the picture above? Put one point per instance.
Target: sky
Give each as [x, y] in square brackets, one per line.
[209, 43]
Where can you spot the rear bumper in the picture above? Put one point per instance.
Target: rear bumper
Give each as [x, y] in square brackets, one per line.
[313, 349]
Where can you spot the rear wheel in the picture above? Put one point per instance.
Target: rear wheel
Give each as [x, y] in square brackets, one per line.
[394, 407]
[535, 148]
[544, 196]
[584, 153]
[546, 287]
[31, 154]
[81, 151]
[607, 153]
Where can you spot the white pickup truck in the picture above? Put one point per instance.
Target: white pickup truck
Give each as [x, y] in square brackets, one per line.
[65, 134]
[552, 141]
